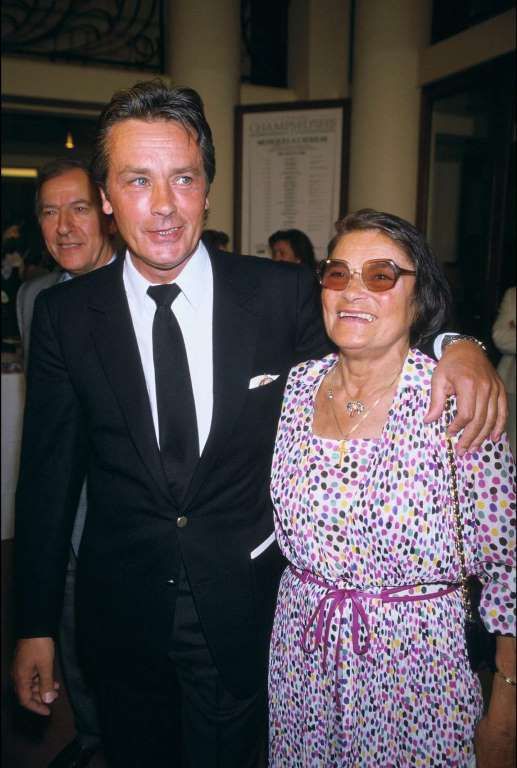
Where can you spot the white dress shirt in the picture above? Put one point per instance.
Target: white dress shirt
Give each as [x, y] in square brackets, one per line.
[437, 343]
[193, 311]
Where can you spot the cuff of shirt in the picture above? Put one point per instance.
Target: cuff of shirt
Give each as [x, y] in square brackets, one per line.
[437, 344]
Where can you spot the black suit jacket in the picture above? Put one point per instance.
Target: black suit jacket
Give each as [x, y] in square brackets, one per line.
[87, 412]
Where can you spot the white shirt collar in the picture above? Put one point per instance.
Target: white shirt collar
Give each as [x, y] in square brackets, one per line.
[193, 278]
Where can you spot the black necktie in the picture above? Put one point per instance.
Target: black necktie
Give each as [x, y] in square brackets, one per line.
[179, 444]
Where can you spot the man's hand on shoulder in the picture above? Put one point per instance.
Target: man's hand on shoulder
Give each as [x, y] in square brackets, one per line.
[33, 674]
[482, 409]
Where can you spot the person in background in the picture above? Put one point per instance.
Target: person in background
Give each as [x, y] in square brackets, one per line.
[214, 238]
[13, 246]
[368, 663]
[23, 246]
[503, 335]
[37, 259]
[161, 377]
[76, 234]
[292, 245]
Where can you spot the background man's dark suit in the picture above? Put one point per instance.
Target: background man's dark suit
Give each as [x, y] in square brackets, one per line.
[79, 694]
[25, 299]
[85, 370]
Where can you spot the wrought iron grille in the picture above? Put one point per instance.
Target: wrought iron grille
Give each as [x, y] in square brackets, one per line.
[118, 33]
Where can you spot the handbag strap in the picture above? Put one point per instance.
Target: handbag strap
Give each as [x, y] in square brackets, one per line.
[457, 520]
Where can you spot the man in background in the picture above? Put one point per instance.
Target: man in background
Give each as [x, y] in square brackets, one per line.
[76, 234]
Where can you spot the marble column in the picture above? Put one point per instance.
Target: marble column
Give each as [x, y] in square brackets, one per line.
[389, 38]
[204, 53]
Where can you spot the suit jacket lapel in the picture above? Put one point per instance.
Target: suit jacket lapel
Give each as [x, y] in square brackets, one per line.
[236, 316]
[115, 340]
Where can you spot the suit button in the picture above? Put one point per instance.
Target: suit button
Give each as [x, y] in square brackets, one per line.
[181, 521]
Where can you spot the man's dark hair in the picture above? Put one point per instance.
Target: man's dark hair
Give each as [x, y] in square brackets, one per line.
[52, 170]
[152, 100]
[433, 298]
[299, 242]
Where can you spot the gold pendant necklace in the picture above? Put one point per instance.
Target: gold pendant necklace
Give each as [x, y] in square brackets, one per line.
[353, 407]
[344, 438]
[358, 407]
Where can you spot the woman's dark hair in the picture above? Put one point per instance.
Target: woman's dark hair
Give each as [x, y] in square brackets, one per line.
[433, 298]
[299, 242]
[215, 238]
[153, 100]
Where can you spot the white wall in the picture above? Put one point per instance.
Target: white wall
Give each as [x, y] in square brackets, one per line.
[46, 80]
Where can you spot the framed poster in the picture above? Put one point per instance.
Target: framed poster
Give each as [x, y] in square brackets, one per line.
[291, 171]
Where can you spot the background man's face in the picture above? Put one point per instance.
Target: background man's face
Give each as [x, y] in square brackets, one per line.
[157, 190]
[72, 223]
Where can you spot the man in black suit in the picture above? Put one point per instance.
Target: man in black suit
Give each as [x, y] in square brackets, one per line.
[77, 236]
[179, 568]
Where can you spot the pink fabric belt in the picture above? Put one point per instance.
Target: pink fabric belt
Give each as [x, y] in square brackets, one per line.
[317, 630]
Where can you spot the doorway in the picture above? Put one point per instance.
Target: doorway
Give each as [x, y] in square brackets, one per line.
[466, 186]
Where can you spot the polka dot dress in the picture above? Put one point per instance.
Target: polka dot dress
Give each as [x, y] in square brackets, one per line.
[356, 682]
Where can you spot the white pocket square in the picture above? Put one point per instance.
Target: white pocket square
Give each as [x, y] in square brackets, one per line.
[262, 547]
[262, 380]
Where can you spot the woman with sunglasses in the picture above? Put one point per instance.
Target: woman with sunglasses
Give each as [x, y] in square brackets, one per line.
[368, 662]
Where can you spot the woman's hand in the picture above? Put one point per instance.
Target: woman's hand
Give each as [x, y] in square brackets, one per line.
[495, 747]
[495, 734]
[482, 409]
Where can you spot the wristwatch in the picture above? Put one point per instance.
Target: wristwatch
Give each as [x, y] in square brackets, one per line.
[453, 338]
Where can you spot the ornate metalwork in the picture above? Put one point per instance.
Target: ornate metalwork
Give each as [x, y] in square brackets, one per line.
[117, 33]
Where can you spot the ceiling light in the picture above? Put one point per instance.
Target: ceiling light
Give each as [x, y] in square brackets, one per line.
[20, 173]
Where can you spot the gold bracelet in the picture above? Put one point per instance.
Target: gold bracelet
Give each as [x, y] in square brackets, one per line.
[508, 680]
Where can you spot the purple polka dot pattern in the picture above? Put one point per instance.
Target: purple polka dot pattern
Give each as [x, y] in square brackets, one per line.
[381, 520]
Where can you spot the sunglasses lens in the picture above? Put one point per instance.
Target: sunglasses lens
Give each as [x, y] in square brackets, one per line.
[379, 276]
[335, 276]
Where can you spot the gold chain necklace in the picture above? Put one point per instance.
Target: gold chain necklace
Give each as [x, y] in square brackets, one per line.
[365, 412]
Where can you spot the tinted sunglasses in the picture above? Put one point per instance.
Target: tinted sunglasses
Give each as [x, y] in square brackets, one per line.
[377, 275]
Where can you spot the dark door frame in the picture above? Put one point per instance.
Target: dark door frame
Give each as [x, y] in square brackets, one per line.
[499, 74]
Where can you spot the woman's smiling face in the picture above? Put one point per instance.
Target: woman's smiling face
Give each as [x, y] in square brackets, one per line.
[362, 321]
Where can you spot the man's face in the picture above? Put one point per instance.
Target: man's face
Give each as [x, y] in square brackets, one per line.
[157, 191]
[72, 223]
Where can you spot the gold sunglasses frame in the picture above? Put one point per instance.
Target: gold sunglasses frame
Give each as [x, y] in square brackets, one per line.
[399, 272]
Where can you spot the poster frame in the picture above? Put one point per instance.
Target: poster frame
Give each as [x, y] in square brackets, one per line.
[342, 152]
